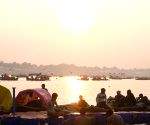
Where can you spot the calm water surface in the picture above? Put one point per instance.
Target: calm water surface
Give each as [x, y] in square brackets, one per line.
[69, 88]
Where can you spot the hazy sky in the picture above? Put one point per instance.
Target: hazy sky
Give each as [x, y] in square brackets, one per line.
[82, 32]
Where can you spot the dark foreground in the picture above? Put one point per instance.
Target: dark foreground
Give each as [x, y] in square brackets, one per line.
[40, 118]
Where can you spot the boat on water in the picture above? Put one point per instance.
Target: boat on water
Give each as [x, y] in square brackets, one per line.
[142, 78]
[8, 77]
[37, 77]
[99, 78]
[115, 77]
[84, 77]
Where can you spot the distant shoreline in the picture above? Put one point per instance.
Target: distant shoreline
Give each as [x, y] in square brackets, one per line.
[23, 69]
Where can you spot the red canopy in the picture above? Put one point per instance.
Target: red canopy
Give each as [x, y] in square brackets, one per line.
[29, 95]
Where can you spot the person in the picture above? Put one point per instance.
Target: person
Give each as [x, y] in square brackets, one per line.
[43, 87]
[130, 99]
[113, 119]
[119, 99]
[52, 111]
[142, 101]
[82, 103]
[82, 119]
[101, 99]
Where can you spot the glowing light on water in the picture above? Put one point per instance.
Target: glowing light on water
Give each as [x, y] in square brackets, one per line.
[75, 88]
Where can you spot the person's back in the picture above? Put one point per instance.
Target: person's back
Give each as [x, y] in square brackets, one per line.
[130, 99]
[82, 119]
[119, 99]
[115, 119]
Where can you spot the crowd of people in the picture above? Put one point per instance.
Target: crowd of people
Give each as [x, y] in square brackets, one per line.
[130, 100]
[101, 102]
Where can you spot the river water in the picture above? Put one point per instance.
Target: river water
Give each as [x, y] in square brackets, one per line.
[69, 88]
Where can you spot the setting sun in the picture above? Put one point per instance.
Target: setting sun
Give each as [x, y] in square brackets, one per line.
[75, 16]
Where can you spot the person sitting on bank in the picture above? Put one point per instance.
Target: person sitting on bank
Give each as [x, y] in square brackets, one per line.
[101, 99]
[82, 119]
[130, 99]
[43, 87]
[119, 99]
[53, 106]
[142, 101]
[113, 119]
[82, 103]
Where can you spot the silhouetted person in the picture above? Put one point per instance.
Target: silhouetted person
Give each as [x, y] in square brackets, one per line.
[113, 119]
[130, 99]
[43, 87]
[101, 99]
[82, 119]
[82, 103]
[119, 99]
[142, 100]
[52, 111]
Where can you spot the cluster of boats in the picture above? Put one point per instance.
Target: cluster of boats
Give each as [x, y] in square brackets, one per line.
[8, 77]
[105, 78]
[30, 77]
[37, 77]
[41, 77]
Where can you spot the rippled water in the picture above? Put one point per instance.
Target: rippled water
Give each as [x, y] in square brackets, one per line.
[69, 88]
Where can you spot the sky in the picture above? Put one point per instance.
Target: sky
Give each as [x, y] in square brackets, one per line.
[81, 32]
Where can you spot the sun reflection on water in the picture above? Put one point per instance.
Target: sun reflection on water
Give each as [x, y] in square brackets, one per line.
[75, 87]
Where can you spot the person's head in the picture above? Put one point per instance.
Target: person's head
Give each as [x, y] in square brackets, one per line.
[140, 95]
[109, 112]
[128, 92]
[54, 96]
[103, 90]
[118, 92]
[43, 86]
[81, 97]
[82, 111]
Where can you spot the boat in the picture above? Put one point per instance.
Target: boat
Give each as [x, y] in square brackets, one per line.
[84, 77]
[115, 77]
[98, 78]
[142, 78]
[37, 77]
[8, 77]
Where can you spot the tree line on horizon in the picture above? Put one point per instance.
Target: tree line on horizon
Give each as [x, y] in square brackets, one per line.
[66, 69]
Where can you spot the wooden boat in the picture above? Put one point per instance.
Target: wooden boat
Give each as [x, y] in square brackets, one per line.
[8, 77]
[37, 77]
[99, 78]
[84, 78]
[115, 77]
[142, 78]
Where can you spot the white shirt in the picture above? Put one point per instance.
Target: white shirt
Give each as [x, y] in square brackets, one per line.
[101, 98]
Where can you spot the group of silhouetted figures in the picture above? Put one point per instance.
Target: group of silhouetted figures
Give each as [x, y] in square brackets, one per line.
[102, 103]
[119, 101]
[129, 100]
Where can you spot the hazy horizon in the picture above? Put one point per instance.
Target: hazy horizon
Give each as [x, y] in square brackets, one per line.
[80, 32]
